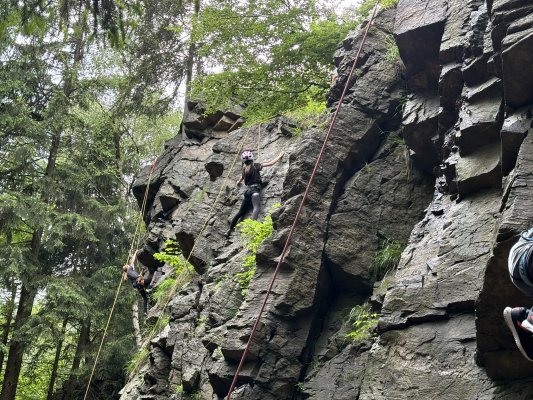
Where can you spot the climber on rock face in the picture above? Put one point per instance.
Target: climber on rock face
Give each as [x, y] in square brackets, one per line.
[252, 179]
[520, 319]
[139, 282]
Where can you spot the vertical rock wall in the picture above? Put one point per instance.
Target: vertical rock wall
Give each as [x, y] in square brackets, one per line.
[431, 151]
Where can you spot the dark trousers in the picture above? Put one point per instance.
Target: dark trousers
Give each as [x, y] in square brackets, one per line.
[251, 198]
[144, 295]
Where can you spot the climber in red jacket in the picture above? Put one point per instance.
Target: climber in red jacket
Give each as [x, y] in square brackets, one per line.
[252, 179]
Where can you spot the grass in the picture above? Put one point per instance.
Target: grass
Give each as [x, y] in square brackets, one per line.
[393, 52]
[172, 255]
[161, 291]
[137, 359]
[386, 259]
[314, 113]
[161, 323]
[182, 274]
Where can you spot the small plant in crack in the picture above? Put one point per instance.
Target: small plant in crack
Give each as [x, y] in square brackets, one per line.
[363, 321]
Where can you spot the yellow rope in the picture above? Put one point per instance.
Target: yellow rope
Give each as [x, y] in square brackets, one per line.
[258, 141]
[137, 230]
[179, 282]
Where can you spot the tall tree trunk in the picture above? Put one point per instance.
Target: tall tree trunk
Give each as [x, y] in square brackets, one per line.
[27, 293]
[191, 56]
[9, 320]
[136, 325]
[29, 290]
[16, 348]
[83, 341]
[53, 375]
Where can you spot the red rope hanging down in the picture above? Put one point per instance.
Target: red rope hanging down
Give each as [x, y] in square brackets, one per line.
[296, 218]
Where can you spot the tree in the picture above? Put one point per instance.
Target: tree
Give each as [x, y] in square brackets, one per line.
[273, 55]
[71, 139]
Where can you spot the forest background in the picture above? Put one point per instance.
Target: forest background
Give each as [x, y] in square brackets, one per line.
[89, 93]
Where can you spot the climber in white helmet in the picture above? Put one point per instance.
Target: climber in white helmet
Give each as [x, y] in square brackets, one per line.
[252, 179]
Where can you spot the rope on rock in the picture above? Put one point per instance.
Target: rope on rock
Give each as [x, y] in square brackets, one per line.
[258, 140]
[296, 218]
[179, 282]
[134, 242]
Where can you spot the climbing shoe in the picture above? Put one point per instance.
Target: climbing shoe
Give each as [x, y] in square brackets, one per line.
[514, 318]
[527, 323]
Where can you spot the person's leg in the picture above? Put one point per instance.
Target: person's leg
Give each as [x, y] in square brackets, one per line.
[145, 300]
[242, 211]
[256, 203]
[148, 277]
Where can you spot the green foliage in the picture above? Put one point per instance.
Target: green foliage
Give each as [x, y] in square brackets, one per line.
[388, 3]
[173, 256]
[182, 273]
[363, 321]
[161, 291]
[253, 233]
[386, 258]
[273, 56]
[393, 52]
[138, 358]
[366, 7]
[367, 168]
[161, 323]
[314, 113]
[71, 138]
[38, 18]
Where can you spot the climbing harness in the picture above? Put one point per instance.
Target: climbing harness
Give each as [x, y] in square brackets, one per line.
[296, 218]
[135, 241]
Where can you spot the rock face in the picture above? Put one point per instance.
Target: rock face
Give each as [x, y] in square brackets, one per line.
[431, 152]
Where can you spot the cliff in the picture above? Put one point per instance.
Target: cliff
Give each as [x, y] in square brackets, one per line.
[431, 151]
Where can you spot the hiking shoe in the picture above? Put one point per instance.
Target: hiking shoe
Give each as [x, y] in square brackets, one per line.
[514, 318]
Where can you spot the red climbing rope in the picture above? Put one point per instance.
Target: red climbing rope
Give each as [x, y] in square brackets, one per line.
[296, 218]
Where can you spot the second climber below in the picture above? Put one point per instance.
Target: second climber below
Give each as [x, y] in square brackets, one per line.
[139, 282]
[252, 179]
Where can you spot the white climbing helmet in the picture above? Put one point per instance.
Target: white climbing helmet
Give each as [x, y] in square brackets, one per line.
[247, 155]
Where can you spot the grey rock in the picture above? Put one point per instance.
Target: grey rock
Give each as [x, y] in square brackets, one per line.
[480, 170]
[457, 249]
[333, 380]
[429, 359]
[418, 28]
[420, 129]
[440, 332]
[224, 124]
[495, 344]
[514, 130]
[386, 198]
[480, 124]
[517, 80]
